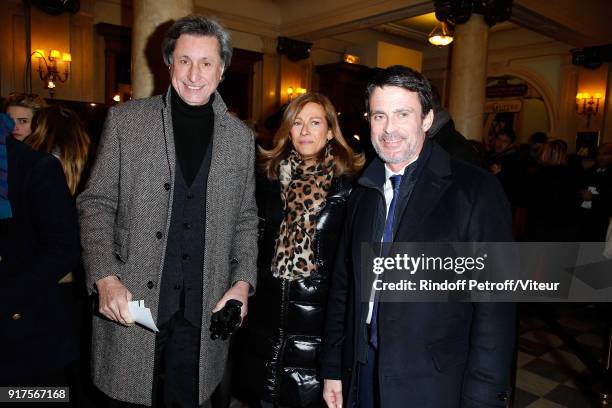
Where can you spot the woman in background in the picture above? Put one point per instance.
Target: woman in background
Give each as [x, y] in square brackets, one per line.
[22, 109]
[59, 131]
[302, 193]
[553, 197]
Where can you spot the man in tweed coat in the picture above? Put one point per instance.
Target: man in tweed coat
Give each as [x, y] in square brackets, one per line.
[169, 217]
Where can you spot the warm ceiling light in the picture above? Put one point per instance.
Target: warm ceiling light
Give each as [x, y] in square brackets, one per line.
[66, 57]
[290, 91]
[55, 54]
[441, 35]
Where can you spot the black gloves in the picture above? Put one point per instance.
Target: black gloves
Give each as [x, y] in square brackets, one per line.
[223, 323]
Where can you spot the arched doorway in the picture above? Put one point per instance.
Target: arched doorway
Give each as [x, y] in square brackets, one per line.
[515, 103]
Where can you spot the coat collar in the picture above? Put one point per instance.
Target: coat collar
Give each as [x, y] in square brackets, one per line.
[218, 105]
[430, 186]
[374, 175]
[221, 139]
[433, 177]
[340, 186]
[432, 157]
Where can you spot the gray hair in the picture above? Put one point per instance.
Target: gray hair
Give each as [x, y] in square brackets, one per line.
[202, 26]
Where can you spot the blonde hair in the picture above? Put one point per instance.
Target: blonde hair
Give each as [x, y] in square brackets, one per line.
[346, 161]
[32, 101]
[554, 153]
[59, 131]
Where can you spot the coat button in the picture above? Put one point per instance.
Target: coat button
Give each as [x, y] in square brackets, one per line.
[186, 257]
[167, 186]
[16, 316]
[159, 235]
[189, 196]
[186, 225]
[150, 284]
[502, 396]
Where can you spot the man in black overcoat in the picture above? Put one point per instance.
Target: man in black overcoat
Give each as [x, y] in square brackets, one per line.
[407, 354]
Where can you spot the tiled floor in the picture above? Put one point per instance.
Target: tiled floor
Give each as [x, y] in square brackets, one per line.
[548, 374]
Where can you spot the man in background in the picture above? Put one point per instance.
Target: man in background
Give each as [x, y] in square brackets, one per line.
[596, 208]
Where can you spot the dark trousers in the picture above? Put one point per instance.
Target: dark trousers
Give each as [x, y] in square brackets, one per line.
[177, 352]
[367, 382]
[177, 356]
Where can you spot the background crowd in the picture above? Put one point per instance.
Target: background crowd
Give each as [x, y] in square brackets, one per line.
[302, 190]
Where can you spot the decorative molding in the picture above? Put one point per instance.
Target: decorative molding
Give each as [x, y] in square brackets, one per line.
[401, 31]
[364, 14]
[545, 26]
[242, 23]
[507, 54]
[532, 51]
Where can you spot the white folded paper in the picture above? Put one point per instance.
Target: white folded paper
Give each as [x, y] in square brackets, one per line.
[142, 315]
[589, 204]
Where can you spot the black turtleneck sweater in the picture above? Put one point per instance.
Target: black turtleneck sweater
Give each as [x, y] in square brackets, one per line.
[193, 128]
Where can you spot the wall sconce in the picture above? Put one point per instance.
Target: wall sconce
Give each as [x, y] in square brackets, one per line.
[295, 91]
[441, 35]
[48, 67]
[587, 104]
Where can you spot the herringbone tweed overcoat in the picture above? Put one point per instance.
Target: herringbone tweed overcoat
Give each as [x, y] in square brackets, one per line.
[124, 215]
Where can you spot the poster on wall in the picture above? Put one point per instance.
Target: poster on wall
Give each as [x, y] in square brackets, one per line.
[502, 121]
[586, 144]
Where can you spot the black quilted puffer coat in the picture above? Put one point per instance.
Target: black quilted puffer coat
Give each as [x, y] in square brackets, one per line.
[277, 350]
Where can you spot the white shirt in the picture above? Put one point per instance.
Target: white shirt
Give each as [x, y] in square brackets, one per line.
[388, 190]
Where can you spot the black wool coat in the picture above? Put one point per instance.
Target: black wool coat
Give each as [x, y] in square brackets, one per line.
[431, 355]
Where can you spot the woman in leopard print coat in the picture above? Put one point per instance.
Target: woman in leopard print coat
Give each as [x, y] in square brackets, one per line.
[301, 193]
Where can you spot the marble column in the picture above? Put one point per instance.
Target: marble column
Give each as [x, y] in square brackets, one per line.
[468, 76]
[152, 18]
